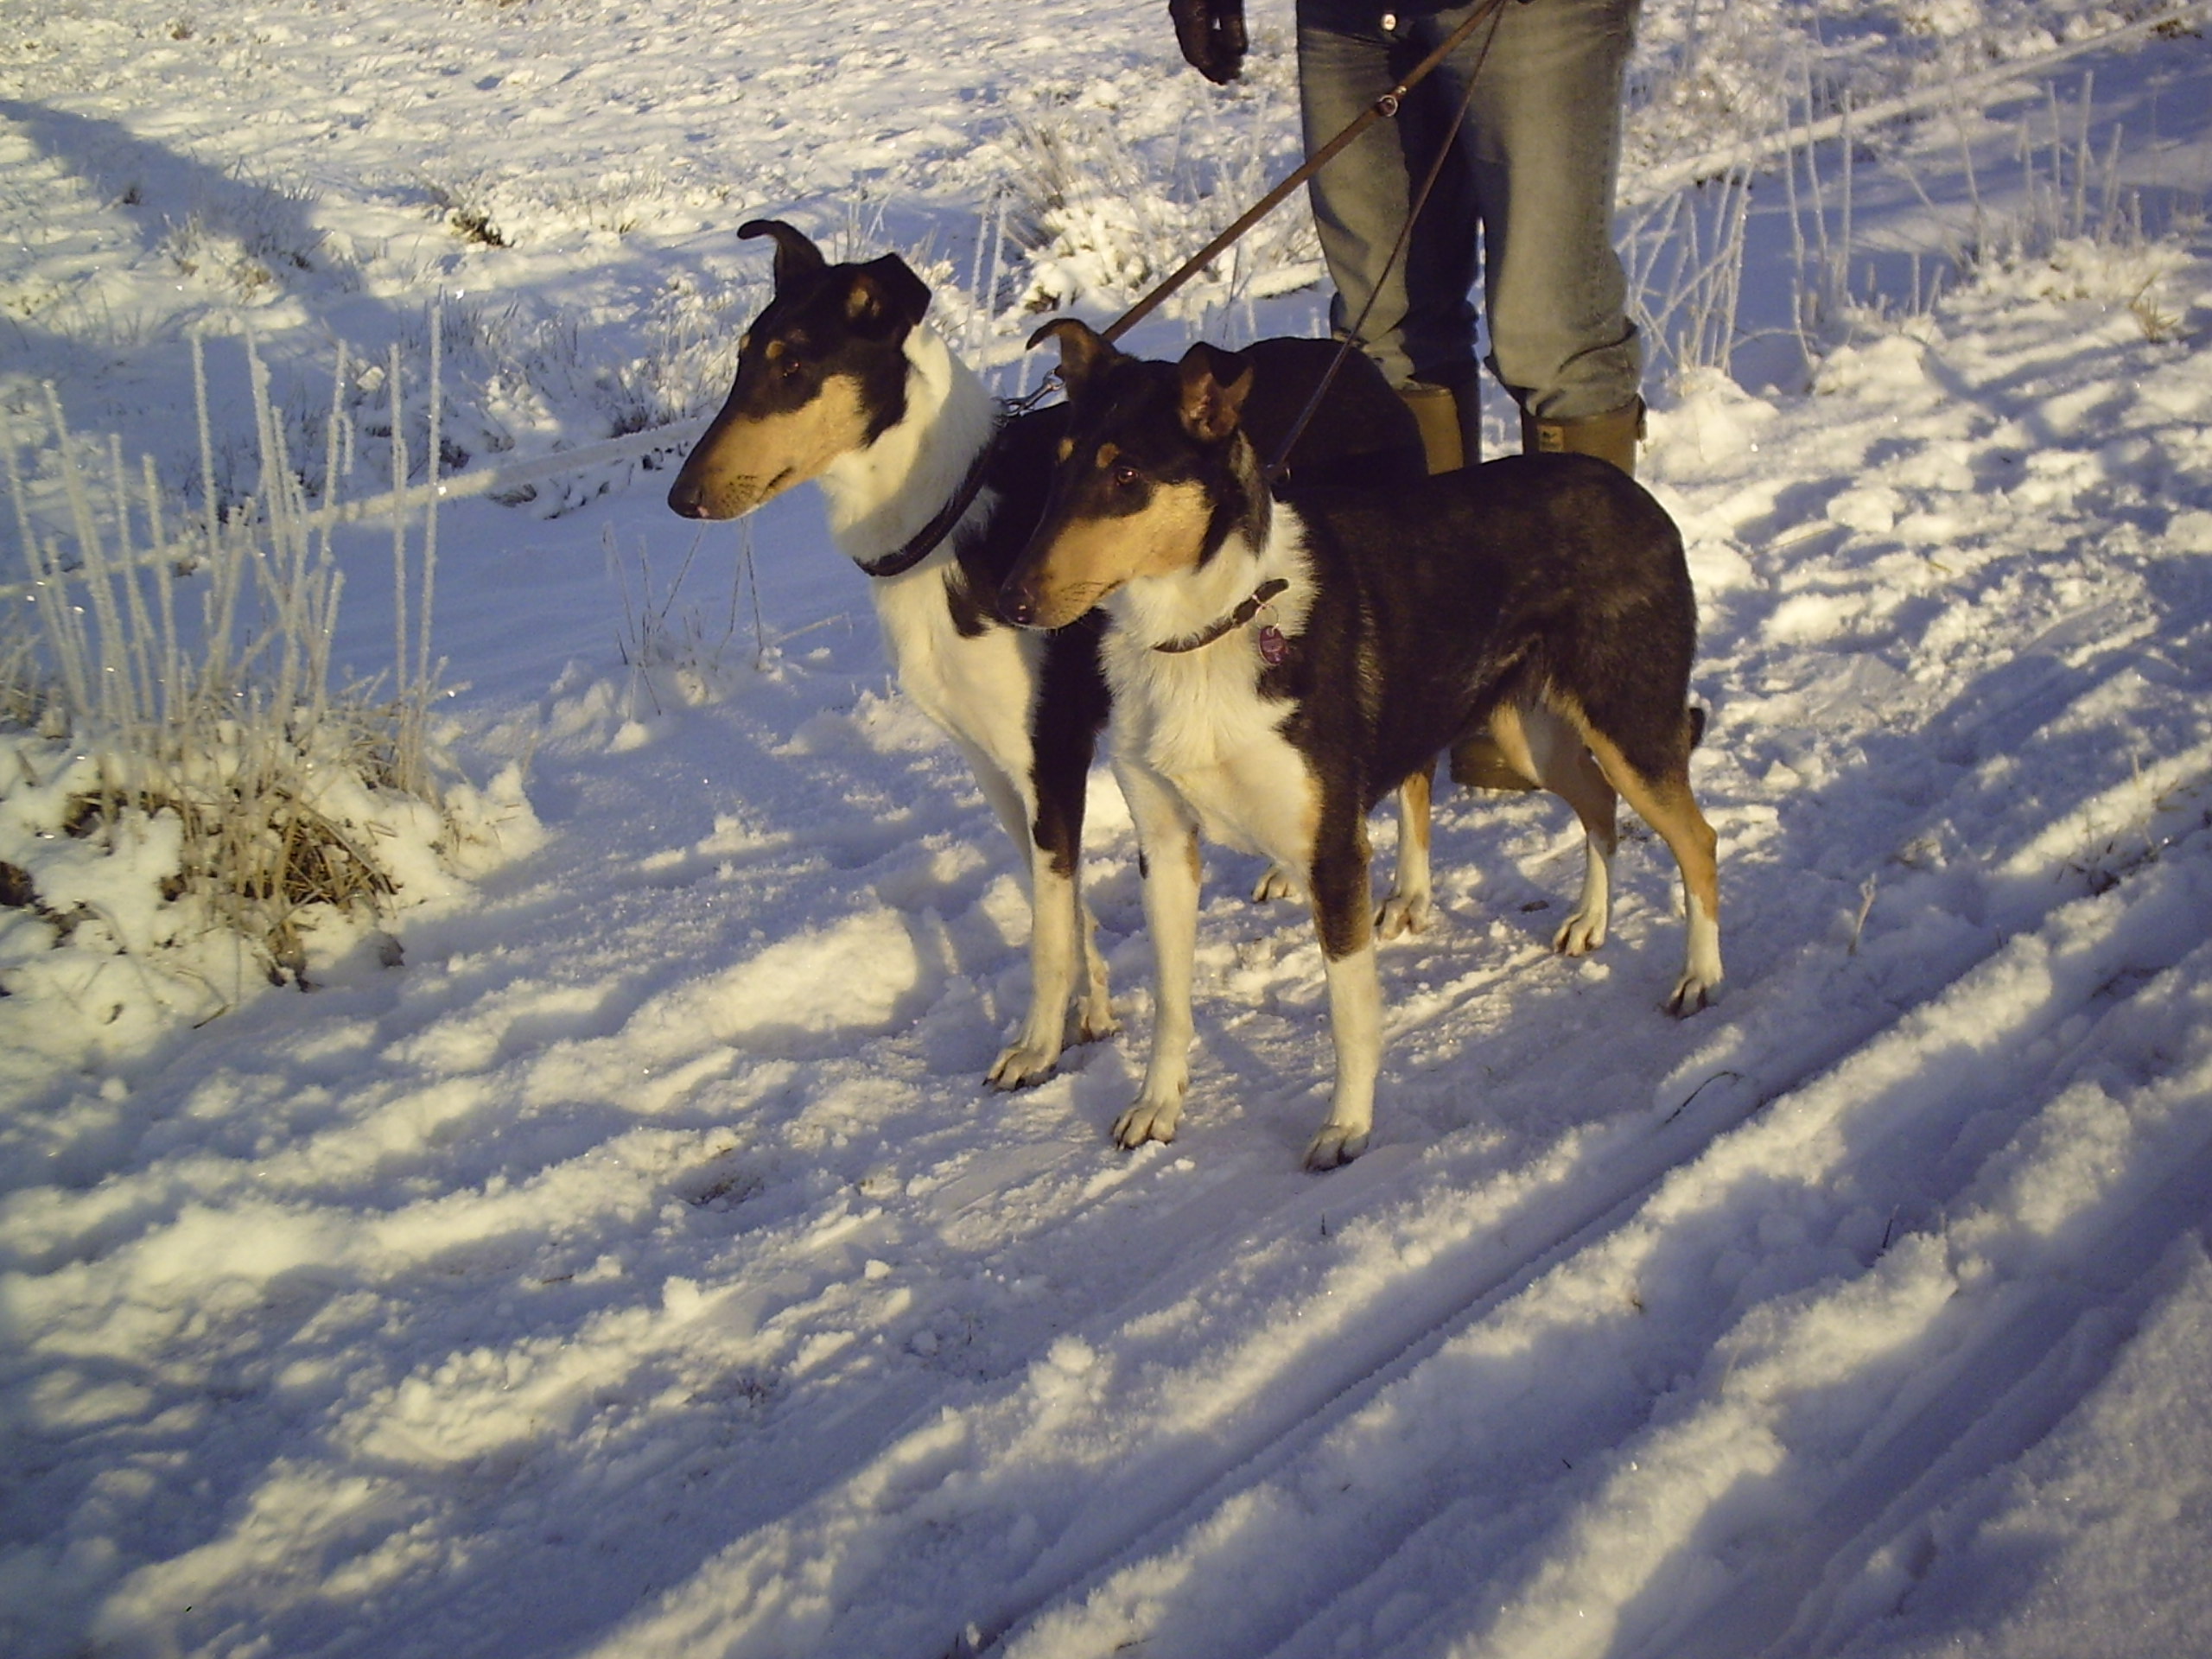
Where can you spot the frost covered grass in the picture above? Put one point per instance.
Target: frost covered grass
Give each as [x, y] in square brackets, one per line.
[189, 796]
[1101, 219]
[671, 639]
[2040, 197]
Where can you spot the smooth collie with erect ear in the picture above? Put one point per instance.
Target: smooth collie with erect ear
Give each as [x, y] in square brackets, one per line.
[1278, 667]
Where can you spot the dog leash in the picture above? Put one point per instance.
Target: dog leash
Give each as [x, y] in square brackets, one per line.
[926, 540]
[1273, 647]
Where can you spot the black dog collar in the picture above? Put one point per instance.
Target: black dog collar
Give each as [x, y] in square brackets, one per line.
[924, 541]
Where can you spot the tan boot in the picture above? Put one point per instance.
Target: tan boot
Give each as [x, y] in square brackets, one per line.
[1436, 412]
[1610, 436]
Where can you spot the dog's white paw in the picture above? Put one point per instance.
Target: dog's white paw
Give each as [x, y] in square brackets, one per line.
[1337, 1144]
[1096, 1024]
[1148, 1120]
[1403, 914]
[1692, 993]
[1581, 934]
[1022, 1064]
[1274, 882]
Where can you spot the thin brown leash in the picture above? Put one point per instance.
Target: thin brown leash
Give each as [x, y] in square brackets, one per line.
[1383, 109]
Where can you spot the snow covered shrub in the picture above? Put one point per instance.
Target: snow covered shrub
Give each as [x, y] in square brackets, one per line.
[1704, 69]
[187, 800]
[527, 378]
[1103, 212]
[247, 238]
[2130, 274]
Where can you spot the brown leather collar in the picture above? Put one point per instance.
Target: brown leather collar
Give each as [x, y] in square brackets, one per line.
[1235, 619]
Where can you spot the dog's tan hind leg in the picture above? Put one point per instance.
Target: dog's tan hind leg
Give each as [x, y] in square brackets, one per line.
[1408, 908]
[1667, 805]
[1544, 745]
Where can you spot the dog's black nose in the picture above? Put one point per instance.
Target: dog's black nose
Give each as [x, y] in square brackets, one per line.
[1017, 604]
[685, 498]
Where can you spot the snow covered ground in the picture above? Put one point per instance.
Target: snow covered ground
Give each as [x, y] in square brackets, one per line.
[640, 1268]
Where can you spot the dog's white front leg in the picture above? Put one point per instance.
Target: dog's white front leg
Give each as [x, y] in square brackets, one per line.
[1095, 1012]
[1055, 929]
[1168, 844]
[1356, 1024]
[1056, 937]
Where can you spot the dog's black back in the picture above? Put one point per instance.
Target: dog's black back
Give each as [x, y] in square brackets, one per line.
[1531, 574]
[1361, 437]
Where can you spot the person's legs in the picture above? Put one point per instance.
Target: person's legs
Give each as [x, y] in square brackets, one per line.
[1360, 200]
[1414, 316]
[1534, 168]
[1544, 139]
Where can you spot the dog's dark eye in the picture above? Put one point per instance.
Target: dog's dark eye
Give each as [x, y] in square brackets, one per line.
[1124, 475]
[789, 368]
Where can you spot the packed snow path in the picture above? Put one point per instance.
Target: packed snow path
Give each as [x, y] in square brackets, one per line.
[641, 1269]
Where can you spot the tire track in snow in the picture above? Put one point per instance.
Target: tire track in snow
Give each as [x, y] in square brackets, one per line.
[2009, 1385]
[1157, 1486]
[1402, 1532]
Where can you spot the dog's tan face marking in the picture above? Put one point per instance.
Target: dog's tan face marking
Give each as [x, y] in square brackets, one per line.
[1067, 447]
[752, 459]
[823, 372]
[1094, 554]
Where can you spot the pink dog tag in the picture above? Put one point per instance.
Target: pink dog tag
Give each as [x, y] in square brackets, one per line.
[1273, 646]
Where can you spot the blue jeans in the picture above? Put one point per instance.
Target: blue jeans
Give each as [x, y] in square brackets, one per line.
[1533, 170]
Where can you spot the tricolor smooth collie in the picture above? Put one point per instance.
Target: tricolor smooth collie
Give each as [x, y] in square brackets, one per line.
[1278, 666]
[840, 381]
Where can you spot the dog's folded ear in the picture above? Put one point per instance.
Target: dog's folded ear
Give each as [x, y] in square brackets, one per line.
[886, 297]
[796, 256]
[1215, 383]
[1083, 351]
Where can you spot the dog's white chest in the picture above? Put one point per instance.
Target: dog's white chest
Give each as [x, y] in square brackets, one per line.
[978, 687]
[1197, 722]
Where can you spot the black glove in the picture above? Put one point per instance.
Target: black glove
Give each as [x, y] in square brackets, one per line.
[1211, 35]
